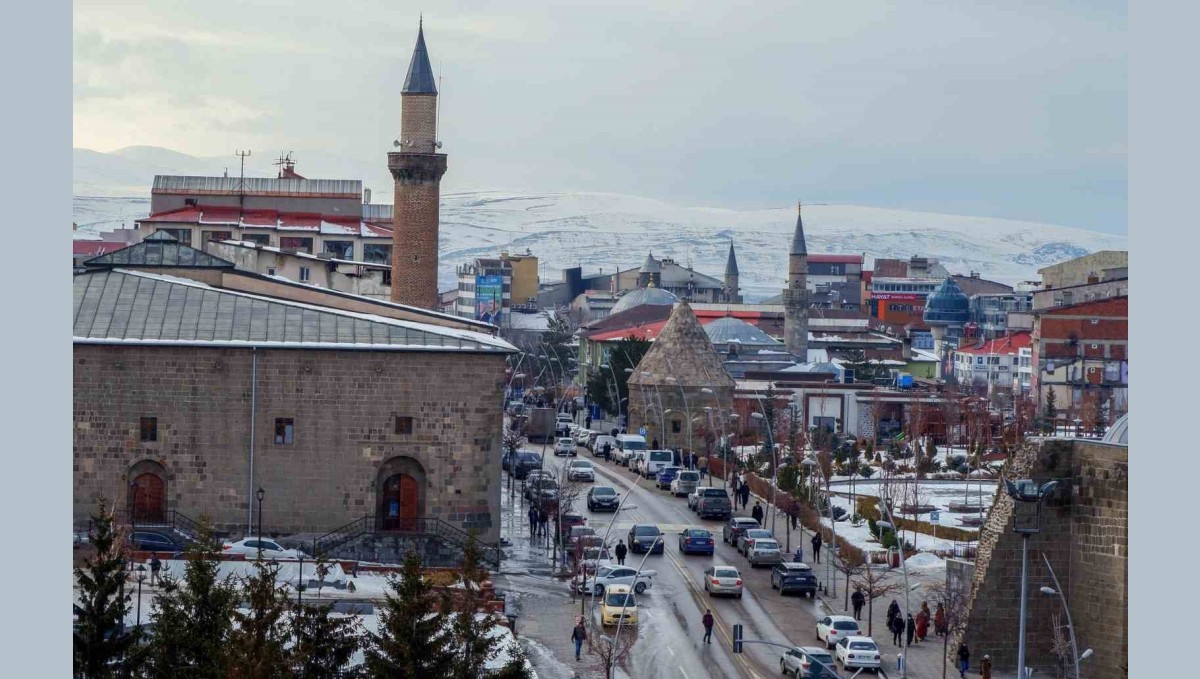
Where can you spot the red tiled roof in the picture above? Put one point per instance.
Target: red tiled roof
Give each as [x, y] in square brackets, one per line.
[219, 215]
[1007, 345]
[94, 248]
[270, 219]
[189, 214]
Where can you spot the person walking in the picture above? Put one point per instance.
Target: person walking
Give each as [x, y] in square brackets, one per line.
[733, 485]
[622, 550]
[939, 620]
[910, 629]
[607, 451]
[578, 635]
[985, 667]
[816, 545]
[857, 600]
[533, 521]
[922, 625]
[704, 467]
[745, 494]
[757, 513]
[897, 628]
[708, 625]
[964, 660]
[893, 612]
[155, 567]
[543, 522]
[654, 443]
[795, 519]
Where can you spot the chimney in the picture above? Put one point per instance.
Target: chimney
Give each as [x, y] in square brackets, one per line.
[974, 274]
[366, 196]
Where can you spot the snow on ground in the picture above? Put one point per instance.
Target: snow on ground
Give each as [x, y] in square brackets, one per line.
[860, 536]
[939, 494]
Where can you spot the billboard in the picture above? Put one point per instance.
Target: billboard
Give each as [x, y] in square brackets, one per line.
[489, 298]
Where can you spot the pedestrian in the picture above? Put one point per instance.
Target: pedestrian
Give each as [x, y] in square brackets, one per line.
[622, 550]
[155, 567]
[816, 545]
[733, 485]
[922, 625]
[708, 625]
[897, 628]
[607, 451]
[964, 660]
[795, 519]
[857, 600]
[910, 628]
[745, 494]
[704, 467]
[757, 513]
[543, 522]
[578, 635]
[587, 422]
[533, 521]
[939, 620]
[985, 667]
[892, 611]
[654, 443]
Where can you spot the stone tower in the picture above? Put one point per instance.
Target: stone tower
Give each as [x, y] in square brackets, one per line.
[733, 294]
[795, 295]
[417, 169]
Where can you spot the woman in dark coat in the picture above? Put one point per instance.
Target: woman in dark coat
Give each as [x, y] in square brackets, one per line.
[892, 612]
[964, 659]
[910, 628]
[897, 628]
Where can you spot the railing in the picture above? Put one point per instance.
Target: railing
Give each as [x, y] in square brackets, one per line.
[431, 527]
[173, 519]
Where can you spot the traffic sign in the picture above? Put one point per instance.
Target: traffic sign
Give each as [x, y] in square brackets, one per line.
[641, 431]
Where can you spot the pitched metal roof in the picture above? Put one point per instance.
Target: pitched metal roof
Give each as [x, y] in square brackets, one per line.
[118, 306]
[798, 245]
[159, 249]
[420, 74]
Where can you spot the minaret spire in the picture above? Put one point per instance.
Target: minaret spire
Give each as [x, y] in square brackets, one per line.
[795, 296]
[799, 247]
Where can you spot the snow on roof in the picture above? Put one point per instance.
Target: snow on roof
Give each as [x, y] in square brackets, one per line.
[1009, 344]
[519, 321]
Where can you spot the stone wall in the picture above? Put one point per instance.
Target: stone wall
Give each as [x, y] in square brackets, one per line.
[344, 405]
[1083, 535]
[415, 227]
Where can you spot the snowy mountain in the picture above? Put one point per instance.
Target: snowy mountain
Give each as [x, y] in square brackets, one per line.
[607, 231]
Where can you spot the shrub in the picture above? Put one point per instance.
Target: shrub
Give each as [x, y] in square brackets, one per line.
[866, 471]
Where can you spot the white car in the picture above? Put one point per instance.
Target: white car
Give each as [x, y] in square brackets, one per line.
[723, 580]
[581, 470]
[270, 549]
[582, 435]
[807, 661]
[622, 575]
[832, 628]
[857, 652]
[564, 446]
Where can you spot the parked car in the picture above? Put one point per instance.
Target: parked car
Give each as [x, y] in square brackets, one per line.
[574, 530]
[857, 652]
[568, 521]
[603, 498]
[249, 547]
[734, 527]
[723, 580]
[747, 537]
[764, 551]
[590, 443]
[581, 470]
[633, 460]
[618, 603]
[564, 446]
[526, 461]
[627, 442]
[832, 628]
[685, 482]
[609, 576]
[714, 503]
[598, 445]
[155, 542]
[541, 489]
[696, 541]
[793, 576]
[581, 436]
[654, 461]
[804, 662]
[594, 557]
[645, 536]
[665, 476]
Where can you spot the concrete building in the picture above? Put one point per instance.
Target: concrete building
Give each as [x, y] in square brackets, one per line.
[834, 282]
[485, 291]
[196, 384]
[525, 280]
[321, 270]
[1080, 351]
[990, 312]
[795, 296]
[995, 364]
[417, 169]
[666, 274]
[1085, 269]
[1093, 289]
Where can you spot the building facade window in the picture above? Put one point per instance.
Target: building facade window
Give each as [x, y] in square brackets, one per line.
[676, 427]
[377, 254]
[341, 249]
[216, 235]
[149, 428]
[285, 429]
[296, 243]
[182, 235]
[305, 274]
[270, 271]
[404, 424]
[257, 238]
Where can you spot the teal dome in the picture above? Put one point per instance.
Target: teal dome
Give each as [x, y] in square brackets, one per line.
[948, 305]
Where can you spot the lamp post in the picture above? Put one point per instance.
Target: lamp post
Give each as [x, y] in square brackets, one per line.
[141, 577]
[1057, 589]
[833, 532]
[260, 495]
[617, 389]
[658, 394]
[604, 545]
[1028, 492]
[774, 463]
[300, 580]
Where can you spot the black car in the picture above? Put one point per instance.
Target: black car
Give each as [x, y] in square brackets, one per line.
[154, 542]
[645, 536]
[603, 498]
[526, 461]
[793, 576]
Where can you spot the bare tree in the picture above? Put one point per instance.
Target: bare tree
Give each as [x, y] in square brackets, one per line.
[1060, 646]
[850, 563]
[602, 646]
[568, 492]
[953, 606]
[874, 584]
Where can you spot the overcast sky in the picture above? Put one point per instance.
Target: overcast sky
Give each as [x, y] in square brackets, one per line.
[1010, 108]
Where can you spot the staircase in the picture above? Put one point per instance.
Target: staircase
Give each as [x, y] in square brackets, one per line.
[175, 523]
[438, 543]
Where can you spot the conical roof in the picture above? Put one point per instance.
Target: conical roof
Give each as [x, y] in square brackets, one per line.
[420, 74]
[651, 265]
[731, 262]
[683, 351]
[798, 245]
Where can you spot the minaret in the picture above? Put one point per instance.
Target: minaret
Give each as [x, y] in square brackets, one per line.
[417, 169]
[795, 296]
[732, 293]
[650, 275]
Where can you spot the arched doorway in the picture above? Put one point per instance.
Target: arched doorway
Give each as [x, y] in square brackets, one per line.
[148, 498]
[400, 497]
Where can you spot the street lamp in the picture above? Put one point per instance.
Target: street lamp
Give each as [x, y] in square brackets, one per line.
[810, 463]
[1057, 590]
[260, 495]
[141, 577]
[1028, 493]
[774, 463]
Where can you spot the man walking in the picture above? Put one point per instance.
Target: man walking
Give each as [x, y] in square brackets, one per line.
[857, 600]
[155, 567]
[816, 545]
[543, 521]
[578, 635]
[745, 490]
[533, 521]
[622, 550]
[964, 659]
[757, 513]
[708, 625]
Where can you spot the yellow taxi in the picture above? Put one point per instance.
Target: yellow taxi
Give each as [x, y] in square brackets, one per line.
[618, 601]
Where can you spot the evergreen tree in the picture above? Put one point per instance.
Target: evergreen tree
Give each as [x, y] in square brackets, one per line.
[412, 640]
[192, 617]
[101, 646]
[472, 629]
[605, 384]
[1051, 412]
[256, 647]
[321, 643]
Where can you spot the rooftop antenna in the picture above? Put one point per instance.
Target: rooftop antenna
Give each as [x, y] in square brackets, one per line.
[285, 162]
[242, 179]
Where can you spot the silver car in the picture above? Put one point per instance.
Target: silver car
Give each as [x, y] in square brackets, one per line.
[684, 483]
[723, 580]
[764, 552]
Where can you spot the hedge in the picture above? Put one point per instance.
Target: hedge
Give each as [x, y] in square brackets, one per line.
[868, 510]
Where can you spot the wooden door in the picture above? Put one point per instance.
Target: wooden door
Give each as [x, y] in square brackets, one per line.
[399, 507]
[149, 498]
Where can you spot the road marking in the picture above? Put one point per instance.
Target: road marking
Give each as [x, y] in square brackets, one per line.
[685, 674]
[669, 650]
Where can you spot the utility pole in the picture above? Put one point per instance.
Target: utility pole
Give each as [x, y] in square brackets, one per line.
[242, 155]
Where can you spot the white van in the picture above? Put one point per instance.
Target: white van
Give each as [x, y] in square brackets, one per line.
[628, 444]
[656, 460]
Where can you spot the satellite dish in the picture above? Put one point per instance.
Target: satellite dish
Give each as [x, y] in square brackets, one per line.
[396, 143]
[437, 144]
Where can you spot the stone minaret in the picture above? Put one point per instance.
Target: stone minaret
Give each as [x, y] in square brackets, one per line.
[732, 294]
[417, 169]
[795, 296]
